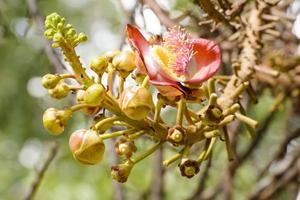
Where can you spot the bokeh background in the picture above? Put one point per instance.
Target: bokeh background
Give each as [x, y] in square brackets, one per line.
[24, 144]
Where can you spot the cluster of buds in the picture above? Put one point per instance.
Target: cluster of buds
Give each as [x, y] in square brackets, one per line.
[175, 66]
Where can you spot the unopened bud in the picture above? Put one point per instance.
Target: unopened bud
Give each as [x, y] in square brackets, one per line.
[60, 91]
[125, 148]
[94, 95]
[111, 54]
[121, 172]
[90, 110]
[125, 62]
[86, 146]
[188, 168]
[136, 102]
[57, 37]
[49, 81]
[55, 120]
[99, 64]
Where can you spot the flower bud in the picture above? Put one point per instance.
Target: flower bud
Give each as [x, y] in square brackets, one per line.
[91, 110]
[94, 95]
[121, 172]
[49, 81]
[188, 168]
[111, 54]
[55, 120]
[136, 102]
[176, 136]
[86, 146]
[125, 148]
[99, 64]
[60, 91]
[124, 62]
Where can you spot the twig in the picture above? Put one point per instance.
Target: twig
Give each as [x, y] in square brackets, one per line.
[285, 174]
[157, 189]
[281, 151]
[162, 15]
[40, 173]
[52, 55]
[118, 188]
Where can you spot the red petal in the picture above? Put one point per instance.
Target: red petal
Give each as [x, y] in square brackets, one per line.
[208, 60]
[137, 40]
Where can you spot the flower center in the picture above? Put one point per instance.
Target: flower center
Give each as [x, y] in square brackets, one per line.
[180, 49]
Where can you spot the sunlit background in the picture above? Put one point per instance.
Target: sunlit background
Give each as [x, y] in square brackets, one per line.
[24, 143]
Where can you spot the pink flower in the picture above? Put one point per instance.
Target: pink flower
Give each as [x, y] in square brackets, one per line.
[175, 60]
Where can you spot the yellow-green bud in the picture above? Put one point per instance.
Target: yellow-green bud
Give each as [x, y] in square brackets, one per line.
[111, 54]
[91, 110]
[136, 102]
[188, 168]
[99, 64]
[57, 37]
[55, 120]
[121, 172]
[94, 95]
[60, 91]
[86, 146]
[124, 62]
[49, 81]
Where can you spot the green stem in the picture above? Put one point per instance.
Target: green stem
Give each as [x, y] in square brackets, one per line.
[110, 79]
[228, 145]
[136, 135]
[78, 107]
[172, 159]
[105, 121]
[146, 82]
[73, 59]
[147, 153]
[188, 116]
[121, 85]
[63, 76]
[180, 111]
[115, 134]
[157, 110]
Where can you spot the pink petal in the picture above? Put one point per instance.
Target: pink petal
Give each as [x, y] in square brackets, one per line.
[142, 46]
[208, 60]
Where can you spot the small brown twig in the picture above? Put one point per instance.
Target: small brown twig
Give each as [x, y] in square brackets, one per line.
[281, 151]
[41, 172]
[161, 14]
[157, 188]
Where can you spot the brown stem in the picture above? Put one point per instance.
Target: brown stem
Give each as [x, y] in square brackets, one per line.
[41, 172]
[157, 189]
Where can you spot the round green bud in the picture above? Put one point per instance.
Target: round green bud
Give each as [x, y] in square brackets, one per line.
[57, 37]
[124, 62]
[99, 64]
[49, 81]
[136, 102]
[55, 120]
[94, 95]
[60, 91]
[86, 146]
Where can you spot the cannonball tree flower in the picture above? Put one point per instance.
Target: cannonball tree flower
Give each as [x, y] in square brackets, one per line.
[175, 60]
